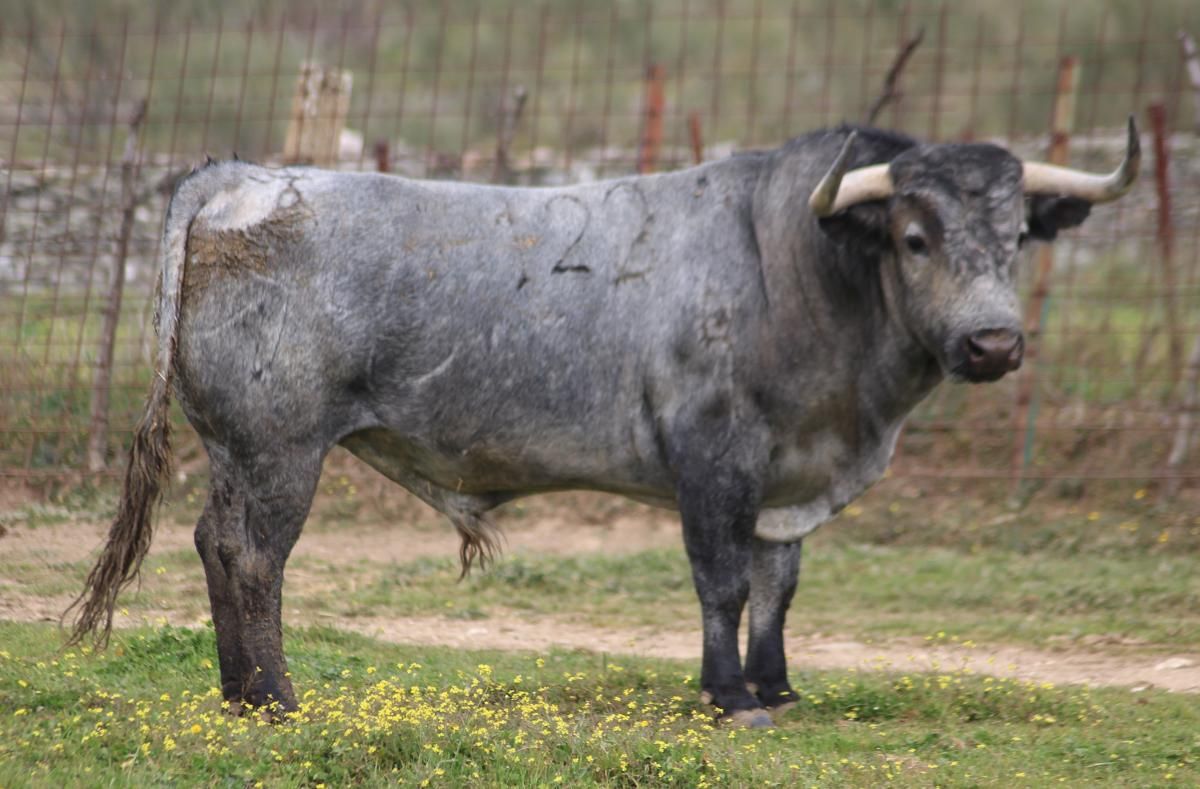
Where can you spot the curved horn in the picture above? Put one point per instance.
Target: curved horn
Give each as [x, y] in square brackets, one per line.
[839, 189]
[1050, 179]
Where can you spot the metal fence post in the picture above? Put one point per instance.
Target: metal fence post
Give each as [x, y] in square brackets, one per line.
[652, 126]
[1025, 431]
[97, 448]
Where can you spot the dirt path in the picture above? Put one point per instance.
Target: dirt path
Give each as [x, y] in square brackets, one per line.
[1176, 673]
[624, 532]
[1179, 673]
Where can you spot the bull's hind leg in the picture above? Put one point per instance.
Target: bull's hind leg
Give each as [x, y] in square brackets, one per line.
[220, 507]
[776, 567]
[253, 517]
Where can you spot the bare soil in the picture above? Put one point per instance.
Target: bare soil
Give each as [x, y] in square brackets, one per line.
[552, 529]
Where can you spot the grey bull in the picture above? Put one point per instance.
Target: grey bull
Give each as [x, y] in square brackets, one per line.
[740, 341]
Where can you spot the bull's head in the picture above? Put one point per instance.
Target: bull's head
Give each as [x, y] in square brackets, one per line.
[955, 217]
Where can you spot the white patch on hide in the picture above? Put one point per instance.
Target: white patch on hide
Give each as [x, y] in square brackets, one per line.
[247, 204]
[788, 524]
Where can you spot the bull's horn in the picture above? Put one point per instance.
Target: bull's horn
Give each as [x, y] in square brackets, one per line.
[1050, 179]
[840, 189]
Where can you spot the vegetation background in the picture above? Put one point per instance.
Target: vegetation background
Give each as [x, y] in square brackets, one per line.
[433, 73]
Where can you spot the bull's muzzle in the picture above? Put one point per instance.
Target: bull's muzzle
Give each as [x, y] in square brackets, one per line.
[991, 353]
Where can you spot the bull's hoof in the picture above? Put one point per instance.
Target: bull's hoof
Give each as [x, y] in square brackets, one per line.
[706, 696]
[777, 698]
[748, 719]
[779, 710]
[274, 712]
[267, 710]
[753, 718]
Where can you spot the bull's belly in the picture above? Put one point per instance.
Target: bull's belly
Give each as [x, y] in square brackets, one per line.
[805, 489]
[498, 471]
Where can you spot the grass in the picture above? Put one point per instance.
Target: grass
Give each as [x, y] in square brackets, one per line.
[145, 713]
[48, 367]
[899, 564]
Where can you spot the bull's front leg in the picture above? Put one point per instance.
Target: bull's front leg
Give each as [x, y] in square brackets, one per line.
[719, 508]
[776, 567]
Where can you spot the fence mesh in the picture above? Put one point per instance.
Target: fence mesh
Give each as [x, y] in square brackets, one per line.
[102, 111]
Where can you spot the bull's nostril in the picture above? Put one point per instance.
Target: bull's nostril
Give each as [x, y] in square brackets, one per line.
[994, 351]
[1018, 350]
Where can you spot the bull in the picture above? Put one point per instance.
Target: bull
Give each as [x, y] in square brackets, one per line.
[740, 341]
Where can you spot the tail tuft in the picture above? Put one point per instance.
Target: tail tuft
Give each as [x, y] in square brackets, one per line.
[146, 476]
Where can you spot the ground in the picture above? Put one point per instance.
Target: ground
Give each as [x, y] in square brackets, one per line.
[941, 635]
[370, 568]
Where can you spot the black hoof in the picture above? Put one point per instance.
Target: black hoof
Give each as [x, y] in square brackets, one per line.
[748, 719]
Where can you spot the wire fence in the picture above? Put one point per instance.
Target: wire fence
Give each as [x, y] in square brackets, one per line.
[100, 117]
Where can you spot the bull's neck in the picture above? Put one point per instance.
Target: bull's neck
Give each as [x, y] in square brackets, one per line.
[848, 307]
[834, 322]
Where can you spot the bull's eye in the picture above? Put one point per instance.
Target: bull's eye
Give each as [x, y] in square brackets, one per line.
[914, 239]
[916, 243]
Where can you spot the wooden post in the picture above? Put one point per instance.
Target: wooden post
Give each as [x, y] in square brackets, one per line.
[1189, 397]
[891, 82]
[97, 448]
[502, 172]
[1166, 243]
[1061, 125]
[383, 156]
[319, 107]
[652, 120]
[1189, 404]
[1191, 57]
[696, 137]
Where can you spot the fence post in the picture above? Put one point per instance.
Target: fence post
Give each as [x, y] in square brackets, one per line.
[1189, 404]
[1191, 58]
[652, 119]
[383, 156]
[891, 82]
[510, 116]
[102, 382]
[1166, 244]
[319, 108]
[1026, 412]
[696, 137]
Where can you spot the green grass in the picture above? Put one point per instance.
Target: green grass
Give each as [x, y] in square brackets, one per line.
[145, 713]
[48, 368]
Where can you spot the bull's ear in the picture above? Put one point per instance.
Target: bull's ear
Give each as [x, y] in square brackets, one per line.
[863, 227]
[1049, 214]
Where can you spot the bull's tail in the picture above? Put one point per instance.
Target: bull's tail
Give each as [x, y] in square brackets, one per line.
[148, 469]
[146, 475]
